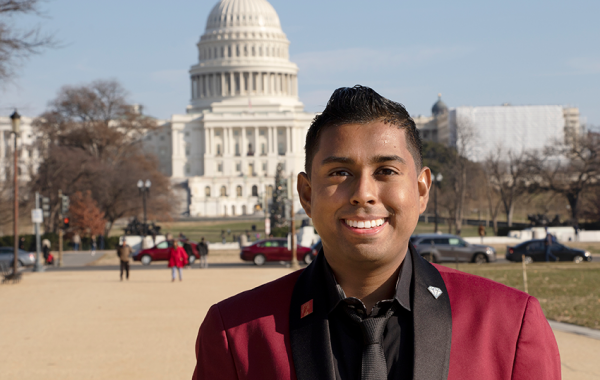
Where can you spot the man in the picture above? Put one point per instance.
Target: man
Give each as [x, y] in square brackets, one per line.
[481, 232]
[203, 251]
[548, 241]
[124, 252]
[369, 307]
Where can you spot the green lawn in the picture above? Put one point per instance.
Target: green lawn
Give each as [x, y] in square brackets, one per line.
[568, 292]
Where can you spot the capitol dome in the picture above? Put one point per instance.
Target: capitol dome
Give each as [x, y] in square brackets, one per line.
[243, 54]
[439, 107]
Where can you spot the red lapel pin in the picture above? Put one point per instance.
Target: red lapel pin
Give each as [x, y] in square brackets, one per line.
[306, 309]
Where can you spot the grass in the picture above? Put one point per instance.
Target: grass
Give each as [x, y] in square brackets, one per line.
[568, 292]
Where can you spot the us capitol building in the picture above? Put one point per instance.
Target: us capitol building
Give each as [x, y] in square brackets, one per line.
[244, 117]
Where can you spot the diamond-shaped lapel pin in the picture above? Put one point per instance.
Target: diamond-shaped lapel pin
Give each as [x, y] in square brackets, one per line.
[436, 292]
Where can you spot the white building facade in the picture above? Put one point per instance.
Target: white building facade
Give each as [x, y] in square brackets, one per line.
[244, 116]
[28, 156]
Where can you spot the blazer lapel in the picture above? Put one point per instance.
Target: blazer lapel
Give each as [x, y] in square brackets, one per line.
[309, 327]
[432, 319]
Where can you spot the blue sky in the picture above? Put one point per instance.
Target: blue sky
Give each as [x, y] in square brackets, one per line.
[473, 52]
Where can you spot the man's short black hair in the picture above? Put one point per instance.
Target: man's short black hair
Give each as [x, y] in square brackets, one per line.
[361, 105]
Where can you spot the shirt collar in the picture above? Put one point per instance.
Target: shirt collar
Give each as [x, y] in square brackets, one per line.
[335, 293]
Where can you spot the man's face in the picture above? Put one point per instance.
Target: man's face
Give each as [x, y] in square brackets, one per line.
[364, 195]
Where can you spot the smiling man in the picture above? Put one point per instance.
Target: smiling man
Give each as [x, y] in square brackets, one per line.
[369, 307]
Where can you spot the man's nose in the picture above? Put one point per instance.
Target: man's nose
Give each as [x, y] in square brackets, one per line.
[364, 190]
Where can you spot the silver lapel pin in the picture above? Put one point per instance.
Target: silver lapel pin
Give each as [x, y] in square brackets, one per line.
[436, 292]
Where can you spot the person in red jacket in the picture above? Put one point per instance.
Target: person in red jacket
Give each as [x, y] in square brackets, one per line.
[177, 259]
[369, 306]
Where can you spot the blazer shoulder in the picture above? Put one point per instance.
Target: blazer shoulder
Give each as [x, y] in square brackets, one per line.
[272, 298]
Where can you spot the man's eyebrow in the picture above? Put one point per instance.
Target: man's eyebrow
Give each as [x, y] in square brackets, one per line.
[337, 159]
[382, 159]
[374, 160]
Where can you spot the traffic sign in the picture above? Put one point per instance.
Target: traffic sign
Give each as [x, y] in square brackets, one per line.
[37, 215]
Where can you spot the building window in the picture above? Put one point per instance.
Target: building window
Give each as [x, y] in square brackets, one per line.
[223, 191]
[188, 149]
[261, 132]
[207, 191]
[220, 167]
[238, 166]
[233, 210]
[281, 149]
[218, 149]
[255, 191]
[235, 133]
[250, 150]
[263, 149]
[187, 168]
[187, 134]
[248, 133]
[238, 191]
[264, 167]
[217, 133]
[237, 149]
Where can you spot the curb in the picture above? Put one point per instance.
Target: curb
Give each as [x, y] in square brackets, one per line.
[574, 329]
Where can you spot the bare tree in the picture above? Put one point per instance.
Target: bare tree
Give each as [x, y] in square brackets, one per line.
[92, 142]
[508, 174]
[567, 170]
[17, 45]
[459, 167]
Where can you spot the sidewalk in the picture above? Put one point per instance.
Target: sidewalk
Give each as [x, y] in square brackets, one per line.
[87, 324]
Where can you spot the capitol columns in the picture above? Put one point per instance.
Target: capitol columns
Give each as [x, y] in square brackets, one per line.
[244, 147]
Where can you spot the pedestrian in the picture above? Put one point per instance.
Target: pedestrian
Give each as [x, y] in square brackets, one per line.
[46, 250]
[22, 243]
[576, 232]
[203, 251]
[124, 252]
[481, 232]
[101, 238]
[548, 241]
[93, 245]
[76, 241]
[177, 259]
[223, 240]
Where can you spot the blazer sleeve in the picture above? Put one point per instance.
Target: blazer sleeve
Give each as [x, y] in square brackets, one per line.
[537, 355]
[213, 356]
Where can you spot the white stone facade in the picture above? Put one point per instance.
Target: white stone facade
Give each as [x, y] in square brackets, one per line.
[29, 160]
[244, 116]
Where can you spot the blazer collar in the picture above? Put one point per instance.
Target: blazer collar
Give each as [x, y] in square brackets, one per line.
[309, 327]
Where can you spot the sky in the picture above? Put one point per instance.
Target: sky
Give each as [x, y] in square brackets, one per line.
[476, 53]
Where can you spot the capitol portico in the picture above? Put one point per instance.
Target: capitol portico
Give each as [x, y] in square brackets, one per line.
[244, 116]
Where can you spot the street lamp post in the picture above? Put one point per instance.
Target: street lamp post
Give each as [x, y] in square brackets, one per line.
[436, 180]
[16, 121]
[144, 188]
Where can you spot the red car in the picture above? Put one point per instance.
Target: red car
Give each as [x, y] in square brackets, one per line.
[273, 250]
[160, 252]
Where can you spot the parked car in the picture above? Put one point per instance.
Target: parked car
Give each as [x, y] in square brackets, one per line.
[535, 250]
[445, 247]
[160, 252]
[273, 250]
[7, 257]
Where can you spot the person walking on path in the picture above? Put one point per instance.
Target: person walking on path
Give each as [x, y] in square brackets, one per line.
[548, 243]
[177, 259]
[481, 232]
[46, 250]
[203, 250]
[76, 241]
[94, 246]
[124, 252]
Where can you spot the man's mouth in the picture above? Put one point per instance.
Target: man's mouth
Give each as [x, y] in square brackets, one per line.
[364, 224]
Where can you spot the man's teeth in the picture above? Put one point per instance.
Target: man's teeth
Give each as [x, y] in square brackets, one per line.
[365, 224]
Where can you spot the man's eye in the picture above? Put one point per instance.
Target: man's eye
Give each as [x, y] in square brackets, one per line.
[340, 173]
[385, 172]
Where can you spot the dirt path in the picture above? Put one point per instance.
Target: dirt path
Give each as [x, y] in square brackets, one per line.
[88, 325]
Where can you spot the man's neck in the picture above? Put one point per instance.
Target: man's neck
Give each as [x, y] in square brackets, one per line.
[369, 284]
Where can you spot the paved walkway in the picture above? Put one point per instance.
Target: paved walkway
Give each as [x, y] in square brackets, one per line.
[88, 325]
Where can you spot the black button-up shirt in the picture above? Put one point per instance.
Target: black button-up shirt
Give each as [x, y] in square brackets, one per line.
[346, 336]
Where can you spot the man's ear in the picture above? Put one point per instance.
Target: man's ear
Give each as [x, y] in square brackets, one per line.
[424, 183]
[304, 192]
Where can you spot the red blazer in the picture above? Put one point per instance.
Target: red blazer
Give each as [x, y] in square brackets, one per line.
[476, 329]
[177, 257]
